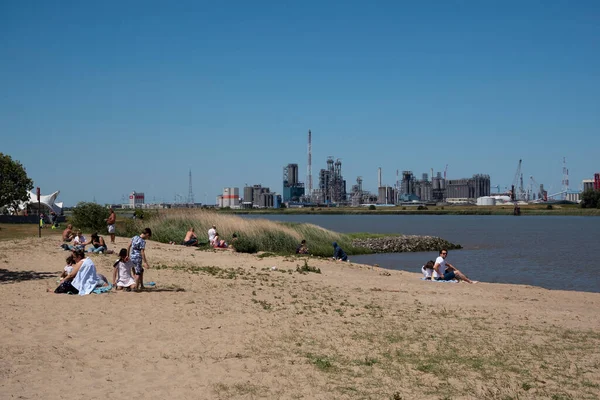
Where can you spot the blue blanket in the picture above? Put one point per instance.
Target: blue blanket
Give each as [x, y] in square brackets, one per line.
[103, 289]
[433, 280]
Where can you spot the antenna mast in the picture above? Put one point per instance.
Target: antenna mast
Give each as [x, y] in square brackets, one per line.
[190, 198]
[565, 180]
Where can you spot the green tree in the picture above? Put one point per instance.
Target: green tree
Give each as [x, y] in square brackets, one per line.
[590, 199]
[14, 182]
[90, 216]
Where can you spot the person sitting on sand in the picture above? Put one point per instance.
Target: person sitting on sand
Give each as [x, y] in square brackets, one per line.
[69, 267]
[79, 239]
[219, 243]
[97, 242]
[427, 269]
[122, 278]
[338, 253]
[190, 238]
[302, 249]
[212, 232]
[444, 271]
[68, 234]
[83, 279]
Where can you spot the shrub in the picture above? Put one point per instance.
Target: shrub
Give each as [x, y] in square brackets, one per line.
[421, 208]
[549, 207]
[372, 207]
[90, 216]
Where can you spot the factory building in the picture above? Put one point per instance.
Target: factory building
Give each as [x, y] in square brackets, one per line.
[293, 190]
[587, 184]
[332, 186]
[229, 198]
[386, 195]
[468, 188]
[136, 200]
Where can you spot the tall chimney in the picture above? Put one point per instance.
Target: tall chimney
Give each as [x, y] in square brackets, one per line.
[379, 177]
[309, 173]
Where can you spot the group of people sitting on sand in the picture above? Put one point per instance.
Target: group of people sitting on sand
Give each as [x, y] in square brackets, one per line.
[441, 270]
[76, 241]
[214, 240]
[80, 276]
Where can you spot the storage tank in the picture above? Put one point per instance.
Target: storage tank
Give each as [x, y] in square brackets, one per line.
[436, 183]
[248, 190]
[486, 201]
[442, 184]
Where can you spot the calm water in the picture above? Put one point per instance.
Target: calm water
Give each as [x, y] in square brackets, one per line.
[551, 252]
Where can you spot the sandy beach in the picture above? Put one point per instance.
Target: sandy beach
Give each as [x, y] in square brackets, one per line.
[222, 325]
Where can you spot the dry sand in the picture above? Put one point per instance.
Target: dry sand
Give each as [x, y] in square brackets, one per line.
[243, 330]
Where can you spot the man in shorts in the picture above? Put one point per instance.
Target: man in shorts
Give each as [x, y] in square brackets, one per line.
[444, 271]
[110, 221]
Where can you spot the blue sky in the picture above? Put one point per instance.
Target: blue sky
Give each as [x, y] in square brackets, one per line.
[101, 98]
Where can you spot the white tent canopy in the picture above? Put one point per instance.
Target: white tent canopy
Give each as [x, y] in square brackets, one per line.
[46, 201]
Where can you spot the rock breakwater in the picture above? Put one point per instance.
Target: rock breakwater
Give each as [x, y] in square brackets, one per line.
[405, 243]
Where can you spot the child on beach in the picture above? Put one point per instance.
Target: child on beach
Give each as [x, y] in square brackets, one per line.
[137, 255]
[427, 270]
[68, 268]
[122, 278]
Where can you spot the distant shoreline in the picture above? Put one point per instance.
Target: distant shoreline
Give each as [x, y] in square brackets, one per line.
[542, 210]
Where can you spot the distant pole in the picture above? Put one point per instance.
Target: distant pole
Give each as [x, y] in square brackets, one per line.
[37, 191]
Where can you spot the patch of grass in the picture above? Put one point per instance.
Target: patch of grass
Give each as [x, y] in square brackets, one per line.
[217, 272]
[253, 234]
[265, 304]
[20, 231]
[305, 269]
[321, 362]
[266, 254]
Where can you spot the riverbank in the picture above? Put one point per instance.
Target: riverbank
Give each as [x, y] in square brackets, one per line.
[533, 209]
[224, 325]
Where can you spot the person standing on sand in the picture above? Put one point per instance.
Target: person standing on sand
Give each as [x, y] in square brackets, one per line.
[137, 254]
[444, 271]
[110, 222]
[212, 232]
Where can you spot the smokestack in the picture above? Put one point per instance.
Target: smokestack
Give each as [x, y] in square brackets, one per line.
[379, 177]
[309, 177]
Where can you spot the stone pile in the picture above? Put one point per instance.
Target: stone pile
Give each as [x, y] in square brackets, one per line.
[405, 243]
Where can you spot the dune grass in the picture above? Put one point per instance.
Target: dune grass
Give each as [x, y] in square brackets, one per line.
[253, 234]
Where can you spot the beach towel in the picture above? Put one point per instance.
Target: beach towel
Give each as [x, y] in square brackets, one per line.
[433, 280]
[103, 289]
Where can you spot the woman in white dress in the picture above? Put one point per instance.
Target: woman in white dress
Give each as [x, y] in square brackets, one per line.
[122, 278]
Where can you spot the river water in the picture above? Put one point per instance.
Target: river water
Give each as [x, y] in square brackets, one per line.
[552, 252]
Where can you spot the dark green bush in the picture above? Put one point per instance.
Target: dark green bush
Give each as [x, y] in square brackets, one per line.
[421, 208]
[90, 216]
[246, 245]
[372, 207]
[549, 207]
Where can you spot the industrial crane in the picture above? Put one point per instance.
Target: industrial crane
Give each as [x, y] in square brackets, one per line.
[542, 195]
[514, 196]
[445, 170]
